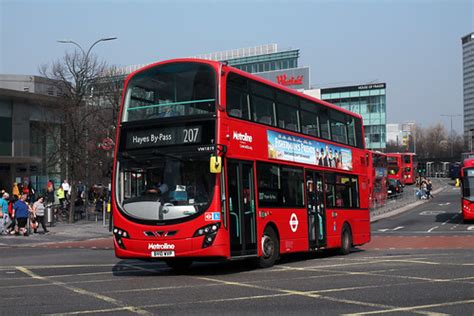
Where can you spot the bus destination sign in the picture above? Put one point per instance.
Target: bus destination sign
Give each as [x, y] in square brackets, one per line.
[163, 137]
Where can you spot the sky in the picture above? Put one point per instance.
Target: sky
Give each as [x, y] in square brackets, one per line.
[412, 46]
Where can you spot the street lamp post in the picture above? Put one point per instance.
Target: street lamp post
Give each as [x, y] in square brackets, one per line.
[86, 54]
[84, 66]
[451, 131]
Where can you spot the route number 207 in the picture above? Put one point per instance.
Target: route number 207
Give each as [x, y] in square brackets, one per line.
[191, 135]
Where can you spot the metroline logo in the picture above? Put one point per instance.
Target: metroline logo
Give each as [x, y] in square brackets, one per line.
[243, 137]
[164, 246]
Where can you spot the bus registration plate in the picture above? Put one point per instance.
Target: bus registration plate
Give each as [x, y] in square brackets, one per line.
[160, 254]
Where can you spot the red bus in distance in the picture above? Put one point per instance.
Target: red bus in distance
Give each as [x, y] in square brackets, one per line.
[395, 167]
[467, 189]
[378, 178]
[214, 163]
[409, 167]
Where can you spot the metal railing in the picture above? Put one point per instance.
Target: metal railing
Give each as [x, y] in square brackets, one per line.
[410, 194]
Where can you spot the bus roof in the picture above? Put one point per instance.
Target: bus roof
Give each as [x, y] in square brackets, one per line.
[217, 64]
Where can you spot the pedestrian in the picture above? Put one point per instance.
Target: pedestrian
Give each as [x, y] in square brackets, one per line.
[15, 190]
[424, 188]
[61, 196]
[21, 211]
[38, 213]
[10, 229]
[4, 216]
[31, 193]
[67, 189]
[429, 187]
[50, 194]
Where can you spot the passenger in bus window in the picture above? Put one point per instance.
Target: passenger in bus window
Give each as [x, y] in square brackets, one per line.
[339, 200]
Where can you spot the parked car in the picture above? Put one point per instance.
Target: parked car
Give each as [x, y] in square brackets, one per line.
[394, 187]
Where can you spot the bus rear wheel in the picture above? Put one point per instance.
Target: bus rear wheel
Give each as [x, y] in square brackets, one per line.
[180, 265]
[346, 240]
[270, 249]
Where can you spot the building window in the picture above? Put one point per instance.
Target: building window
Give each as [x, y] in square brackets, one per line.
[5, 136]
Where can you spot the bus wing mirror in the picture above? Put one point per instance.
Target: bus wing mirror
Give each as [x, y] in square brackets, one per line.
[215, 164]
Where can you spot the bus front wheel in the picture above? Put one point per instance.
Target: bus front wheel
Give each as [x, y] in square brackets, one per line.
[270, 248]
[346, 240]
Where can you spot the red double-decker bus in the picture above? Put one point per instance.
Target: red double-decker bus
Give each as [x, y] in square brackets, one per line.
[214, 163]
[409, 167]
[395, 167]
[378, 179]
[467, 189]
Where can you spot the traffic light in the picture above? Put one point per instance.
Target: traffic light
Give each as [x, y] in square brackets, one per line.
[421, 168]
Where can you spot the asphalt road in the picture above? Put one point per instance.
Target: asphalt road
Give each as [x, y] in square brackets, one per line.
[377, 279]
[439, 216]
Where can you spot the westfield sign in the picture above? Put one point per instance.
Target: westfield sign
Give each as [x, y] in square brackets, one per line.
[283, 80]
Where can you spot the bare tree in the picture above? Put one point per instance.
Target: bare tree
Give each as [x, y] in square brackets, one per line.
[434, 142]
[394, 147]
[81, 119]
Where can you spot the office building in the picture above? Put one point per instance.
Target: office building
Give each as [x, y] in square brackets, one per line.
[370, 102]
[24, 143]
[468, 85]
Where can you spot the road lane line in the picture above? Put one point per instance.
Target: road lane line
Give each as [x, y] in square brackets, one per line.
[49, 284]
[433, 228]
[245, 298]
[310, 294]
[77, 290]
[414, 308]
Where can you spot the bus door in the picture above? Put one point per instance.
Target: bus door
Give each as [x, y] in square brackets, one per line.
[316, 209]
[242, 208]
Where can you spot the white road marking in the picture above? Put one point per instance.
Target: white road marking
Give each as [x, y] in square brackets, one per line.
[414, 308]
[77, 290]
[443, 204]
[470, 228]
[429, 213]
[383, 230]
[433, 228]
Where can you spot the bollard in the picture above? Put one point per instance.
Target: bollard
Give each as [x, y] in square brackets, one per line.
[458, 183]
[104, 212]
[49, 215]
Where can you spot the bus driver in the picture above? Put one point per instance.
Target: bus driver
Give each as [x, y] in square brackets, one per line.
[155, 184]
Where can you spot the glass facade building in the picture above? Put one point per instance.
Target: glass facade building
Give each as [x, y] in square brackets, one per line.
[257, 59]
[468, 84]
[368, 101]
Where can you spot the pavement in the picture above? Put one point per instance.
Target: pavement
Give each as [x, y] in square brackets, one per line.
[62, 234]
[93, 234]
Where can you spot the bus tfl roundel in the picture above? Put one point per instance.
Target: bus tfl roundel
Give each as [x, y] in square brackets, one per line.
[293, 222]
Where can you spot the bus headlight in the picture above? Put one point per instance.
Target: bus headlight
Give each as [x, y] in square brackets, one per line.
[209, 232]
[119, 234]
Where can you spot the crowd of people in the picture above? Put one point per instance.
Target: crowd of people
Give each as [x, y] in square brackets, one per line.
[20, 208]
[426, 186]
[23, 206]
